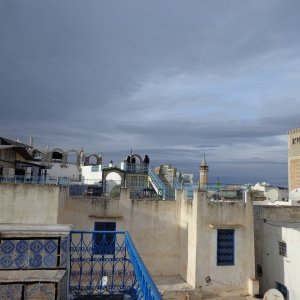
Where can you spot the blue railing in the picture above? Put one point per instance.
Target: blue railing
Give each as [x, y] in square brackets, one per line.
[107, 262]
[177, 184]
[38, 180]
[158, 184]
[229, 191]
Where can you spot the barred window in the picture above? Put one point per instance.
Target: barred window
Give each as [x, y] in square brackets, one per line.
[225, 247]
[282, 248]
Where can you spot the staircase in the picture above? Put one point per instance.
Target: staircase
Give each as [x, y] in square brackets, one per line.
[157, 184]
[162, 186]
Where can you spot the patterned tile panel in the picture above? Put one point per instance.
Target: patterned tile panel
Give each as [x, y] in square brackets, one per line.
[40, 291]
[11, 291]
[32, 254]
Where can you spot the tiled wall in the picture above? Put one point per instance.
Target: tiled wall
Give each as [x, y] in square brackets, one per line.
[33, 253]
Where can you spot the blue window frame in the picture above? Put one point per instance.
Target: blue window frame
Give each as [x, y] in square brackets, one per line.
[282, 289]
[225, 247]
[104, 243]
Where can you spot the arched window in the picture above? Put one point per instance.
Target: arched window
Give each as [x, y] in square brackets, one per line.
[72, 157]
[57, 155]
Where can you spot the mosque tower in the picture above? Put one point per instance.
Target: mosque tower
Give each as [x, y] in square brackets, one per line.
[203, 173]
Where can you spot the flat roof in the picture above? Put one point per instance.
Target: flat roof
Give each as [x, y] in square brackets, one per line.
[287, 224]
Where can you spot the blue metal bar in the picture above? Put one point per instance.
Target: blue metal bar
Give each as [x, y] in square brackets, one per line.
[112, 272]
[149, 288]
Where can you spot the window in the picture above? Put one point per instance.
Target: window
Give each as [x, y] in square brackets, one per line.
[95, 168]
[282, 248]
[225, 247]
[104, 243]
[57, 155]
[282, 289]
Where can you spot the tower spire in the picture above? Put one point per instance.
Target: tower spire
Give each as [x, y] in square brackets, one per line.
[203, 168]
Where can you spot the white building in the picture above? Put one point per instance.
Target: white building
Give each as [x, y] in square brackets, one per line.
[281, 258]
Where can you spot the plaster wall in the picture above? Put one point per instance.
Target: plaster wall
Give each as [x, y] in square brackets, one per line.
[29, 203]
[224, 215]
[199, 221]
[278, 268]
[153, 225]
[172, 237]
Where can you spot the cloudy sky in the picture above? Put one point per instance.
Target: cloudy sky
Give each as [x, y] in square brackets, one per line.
[171, 79]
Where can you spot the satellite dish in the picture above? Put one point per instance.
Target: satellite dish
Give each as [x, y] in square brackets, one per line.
[273, 294]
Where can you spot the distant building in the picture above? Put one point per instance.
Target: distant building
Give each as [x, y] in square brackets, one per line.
[265, 193]
[16, 159]
[294, 158]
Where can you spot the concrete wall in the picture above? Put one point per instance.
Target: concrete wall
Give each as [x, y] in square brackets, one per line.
[30, 203]
[152, 225]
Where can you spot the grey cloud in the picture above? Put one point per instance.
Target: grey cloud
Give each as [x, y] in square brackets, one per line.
[196, 76]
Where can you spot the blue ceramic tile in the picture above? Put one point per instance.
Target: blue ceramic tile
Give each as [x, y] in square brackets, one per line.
[36, 246]
[21, 261]
[50, 246]
[35, 261]
[7, 246]
[50, 261]
[22, 246]
[6, 261]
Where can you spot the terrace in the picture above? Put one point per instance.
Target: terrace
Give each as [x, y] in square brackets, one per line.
[35, 261]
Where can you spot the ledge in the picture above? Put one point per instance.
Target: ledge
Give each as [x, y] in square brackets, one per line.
[225, 226]
[105, 217]
[34, 229]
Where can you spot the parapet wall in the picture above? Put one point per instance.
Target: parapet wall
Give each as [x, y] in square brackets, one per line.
[30, 203]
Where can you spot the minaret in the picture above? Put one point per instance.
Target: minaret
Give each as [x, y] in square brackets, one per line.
[203, 173]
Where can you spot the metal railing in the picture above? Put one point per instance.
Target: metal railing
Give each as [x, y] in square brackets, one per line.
[107, 262]
[177, 184]
[56, 180]
[216, 191]
[157, 183]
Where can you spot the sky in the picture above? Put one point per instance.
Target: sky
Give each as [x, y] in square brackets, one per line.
[172, 79]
